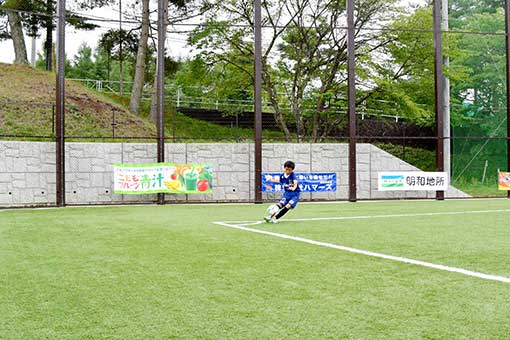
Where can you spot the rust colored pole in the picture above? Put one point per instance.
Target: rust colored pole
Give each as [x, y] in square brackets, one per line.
[351, 94]
[60, 104]
[258, 100]
[160, 87]
[507, 60]
[438, 91]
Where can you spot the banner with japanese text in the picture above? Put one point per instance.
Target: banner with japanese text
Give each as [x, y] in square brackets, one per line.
[503, 180]
[169, 178]
[413, 180]
[307, 181]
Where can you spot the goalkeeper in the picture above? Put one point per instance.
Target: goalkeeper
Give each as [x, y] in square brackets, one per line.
[290, 197]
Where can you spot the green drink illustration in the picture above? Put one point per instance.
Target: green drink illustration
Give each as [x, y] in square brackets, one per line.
[190, 179]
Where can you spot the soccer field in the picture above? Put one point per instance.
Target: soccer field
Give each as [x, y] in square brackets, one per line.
[369, 270]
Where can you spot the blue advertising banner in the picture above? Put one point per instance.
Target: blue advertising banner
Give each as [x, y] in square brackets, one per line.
[308, 182]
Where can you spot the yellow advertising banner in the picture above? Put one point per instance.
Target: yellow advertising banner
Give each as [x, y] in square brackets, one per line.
[503, 180]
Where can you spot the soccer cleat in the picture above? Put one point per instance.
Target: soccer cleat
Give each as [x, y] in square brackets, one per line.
[274, 220]
[267, 219]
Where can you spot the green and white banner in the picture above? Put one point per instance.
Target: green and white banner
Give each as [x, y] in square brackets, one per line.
[412, 181]
[168, 178]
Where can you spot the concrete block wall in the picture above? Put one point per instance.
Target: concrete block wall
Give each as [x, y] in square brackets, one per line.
[27, 173]
[27, 170]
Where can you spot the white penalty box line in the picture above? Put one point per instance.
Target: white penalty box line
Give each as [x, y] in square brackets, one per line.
[335, 218]
[243, 226]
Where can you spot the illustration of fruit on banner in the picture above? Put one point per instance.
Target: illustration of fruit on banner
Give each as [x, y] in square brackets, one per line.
[503, 180]
[190, 179]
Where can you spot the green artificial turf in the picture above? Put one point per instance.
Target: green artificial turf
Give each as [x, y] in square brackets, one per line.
[168, 272]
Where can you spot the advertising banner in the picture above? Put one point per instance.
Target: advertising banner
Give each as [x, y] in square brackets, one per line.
[413, 181]
[503, 180]
[307, 181]
[169, 178]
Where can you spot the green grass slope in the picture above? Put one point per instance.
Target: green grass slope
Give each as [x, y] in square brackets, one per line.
[27, 97]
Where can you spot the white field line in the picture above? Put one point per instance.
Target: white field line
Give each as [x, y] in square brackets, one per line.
[370, 253]
[335, 218]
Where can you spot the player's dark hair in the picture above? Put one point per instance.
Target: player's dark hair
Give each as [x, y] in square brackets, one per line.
[289, 164]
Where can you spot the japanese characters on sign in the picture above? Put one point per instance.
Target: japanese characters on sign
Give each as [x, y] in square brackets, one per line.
[162, 178]
[413, 180]
[307, 181]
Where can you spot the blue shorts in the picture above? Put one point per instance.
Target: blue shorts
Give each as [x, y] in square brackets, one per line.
[291, 198]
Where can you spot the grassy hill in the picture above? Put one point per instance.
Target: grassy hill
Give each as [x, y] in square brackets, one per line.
[27, 98]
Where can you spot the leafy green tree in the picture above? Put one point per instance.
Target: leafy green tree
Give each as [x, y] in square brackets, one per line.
[222, 82]
[480, 109]
[484, 59]
[304, 58]
[83, 67]
[110, 42]
[460, 10]
[403, 71]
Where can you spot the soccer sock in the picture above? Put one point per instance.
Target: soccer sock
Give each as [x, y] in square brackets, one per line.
[282, 212]
[279, 207]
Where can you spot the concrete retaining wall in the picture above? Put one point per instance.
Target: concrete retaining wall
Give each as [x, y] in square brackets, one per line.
[27, 170]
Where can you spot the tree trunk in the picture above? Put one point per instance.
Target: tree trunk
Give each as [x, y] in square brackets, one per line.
[299, 82]
[154, 103]
[327, 84]
[154, 100]
[316, 119]
[297, 111]
[108, 64]
[136, 92]
[278, 116]
[48, 45]
[20, 49]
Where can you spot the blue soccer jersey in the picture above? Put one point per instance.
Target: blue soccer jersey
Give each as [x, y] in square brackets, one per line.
[289, 196]
[288, 182]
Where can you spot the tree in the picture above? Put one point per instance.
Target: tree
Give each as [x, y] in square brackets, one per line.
[171, 66]
[136, 91]
[4, 31]
[182, 10]
[220, 82]
[483, 58]
[305, 55]
[480, 105]
[20, 49]
[16, 30]
[154, 108]
[403, 70]
[83, 67]
[110, 42]
[36, 23]
[459, 10]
